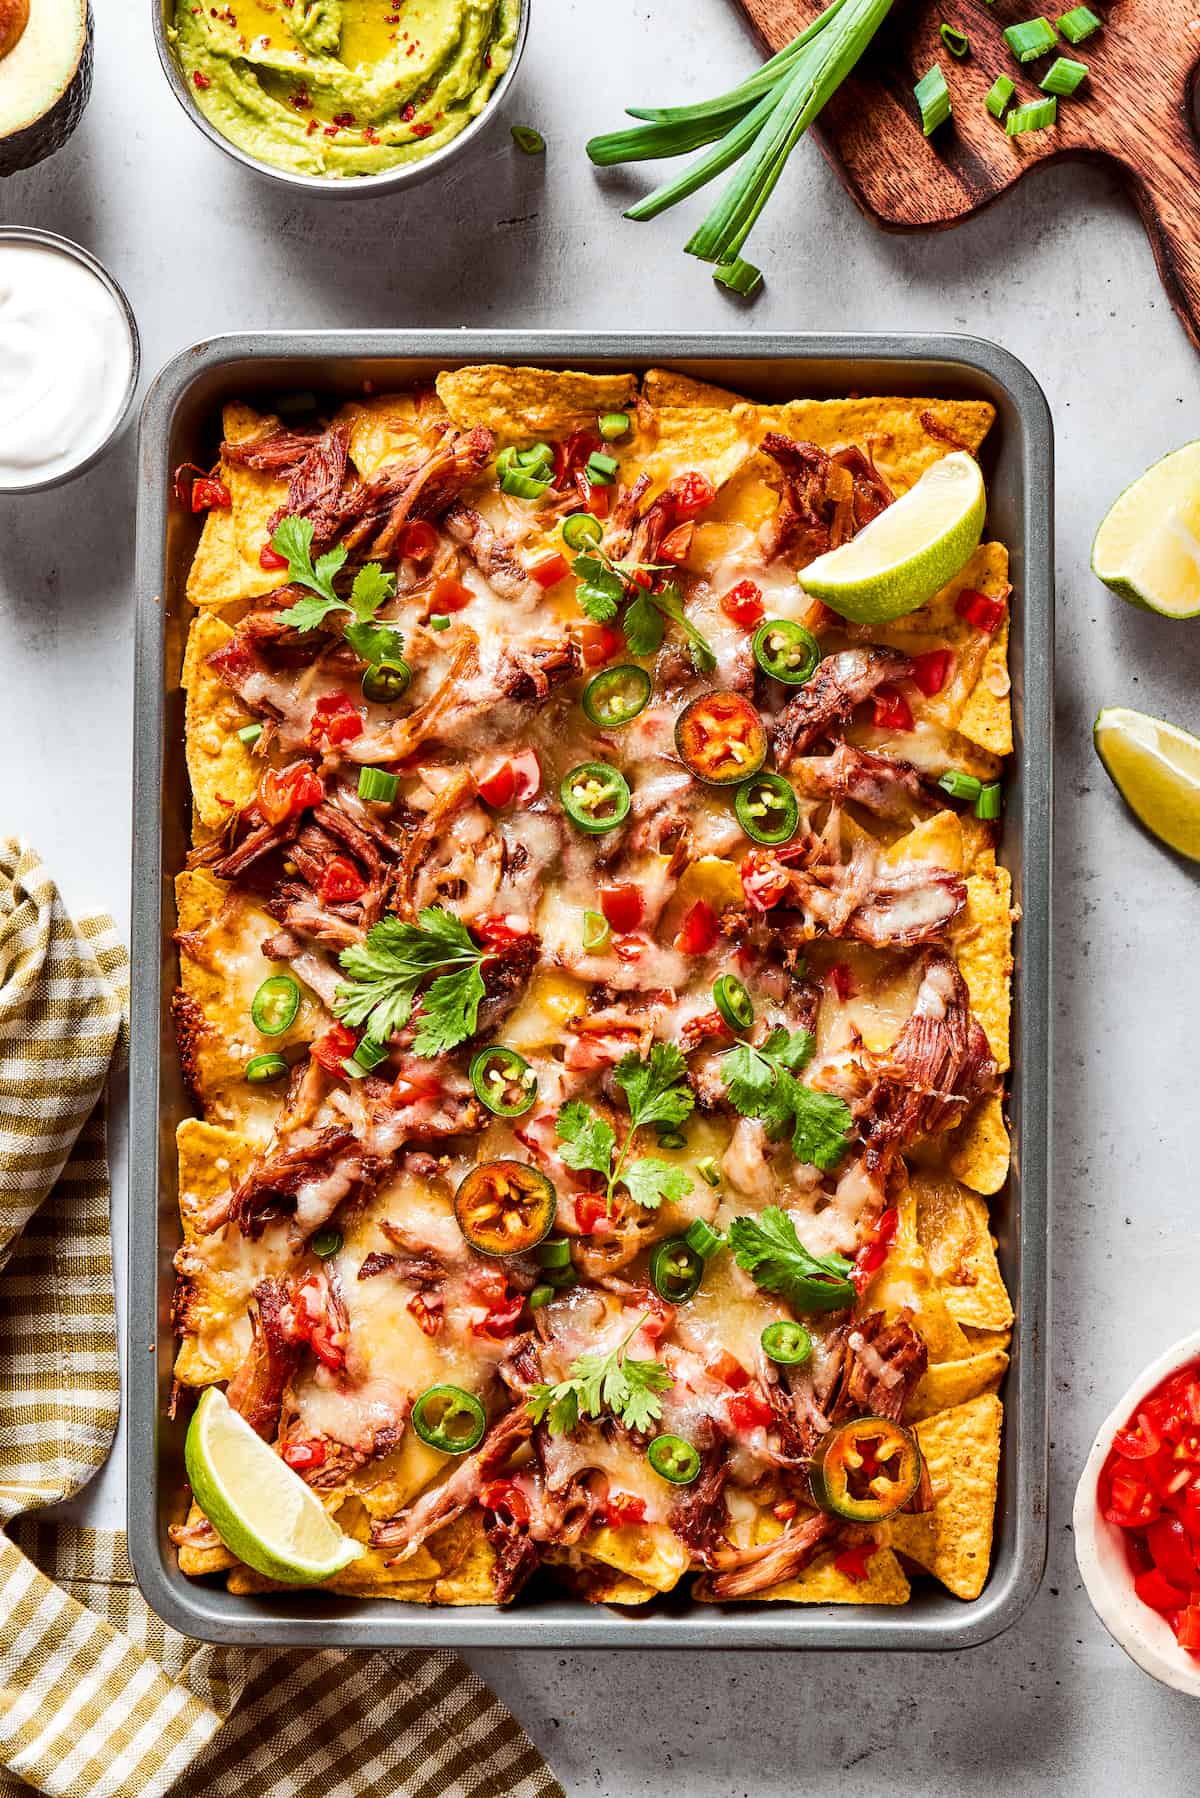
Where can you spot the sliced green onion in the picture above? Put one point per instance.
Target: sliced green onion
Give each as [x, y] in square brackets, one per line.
[960, 785]
[613, 425]
[521, 485]
[739, 276]
[366, 1056]
[559, 1276]
[1034, 117]
[1063, 76]
[709, 1170]
[703, 1238]
[260, 1070]
[541, 1295]
[554, 1252]
[529, 140]
[439, 621]
[377, 785]
[1077, 24]
[537, 457]
[987, 806]
[249, 734]
[957, 42]
[596, 931]
[326, 1242]
[601, 470]
[999, 95]
[933, 99]
[581, 531]
[1030, 39]
[669, 1138]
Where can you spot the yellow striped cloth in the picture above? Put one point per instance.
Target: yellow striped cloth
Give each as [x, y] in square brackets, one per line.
[98, 1698]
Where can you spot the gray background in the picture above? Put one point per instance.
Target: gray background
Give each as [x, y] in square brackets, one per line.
[1062, 275]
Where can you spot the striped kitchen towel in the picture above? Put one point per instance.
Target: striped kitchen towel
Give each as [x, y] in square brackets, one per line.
[98, 1698]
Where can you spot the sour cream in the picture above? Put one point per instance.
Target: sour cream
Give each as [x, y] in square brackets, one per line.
[67, 361]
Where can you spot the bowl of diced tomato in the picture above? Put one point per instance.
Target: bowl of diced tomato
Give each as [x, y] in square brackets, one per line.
[1137, 1519]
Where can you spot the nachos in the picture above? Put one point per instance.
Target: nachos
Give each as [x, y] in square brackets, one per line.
[594, 985]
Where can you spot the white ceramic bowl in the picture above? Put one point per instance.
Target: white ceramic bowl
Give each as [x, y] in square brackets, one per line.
[1146, 1637]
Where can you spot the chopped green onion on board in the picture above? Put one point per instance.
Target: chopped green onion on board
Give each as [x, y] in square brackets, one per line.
[956, 41]
[1034, 117]
[1030, 39]
[1077, 24]
[999, 95]
[1063, 76]
[933, 98]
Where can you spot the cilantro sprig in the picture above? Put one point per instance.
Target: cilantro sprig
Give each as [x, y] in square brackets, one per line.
[768, 1248]
[371, 642]
[605, 584]
[762, 1083]
[599, 1383]
[656, 1092]
[387, 972]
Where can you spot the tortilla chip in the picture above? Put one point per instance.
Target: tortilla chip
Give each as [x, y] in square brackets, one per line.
[952, 1224]
[982, 939]
[219, 578]
[598, 1584]
[648, 1552]
[962, 1452]
[947, 1383]
[987, 716]
[976, 699]
[979, 843]
[197, 1560]
[982, 1149]
[255, 494]
[223, 773]
[823, 1583]
[937, 840]
[905, 1283]
[663, 387]
[704, 438]
[531, 402]
[895, 432]
[390, 427]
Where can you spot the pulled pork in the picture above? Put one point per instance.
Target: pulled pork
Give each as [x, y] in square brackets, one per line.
[257, 1388]
[824, 499]
[841, 682]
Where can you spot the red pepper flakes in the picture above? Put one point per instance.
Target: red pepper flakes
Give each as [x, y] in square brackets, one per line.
[422, 130]
[332, 130]
[370, 135]
[345, 119]
[312, 125]
[408, 112]
[200, 80]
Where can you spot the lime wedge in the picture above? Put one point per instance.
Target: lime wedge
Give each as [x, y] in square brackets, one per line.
[262, 1511]
[1156, 769]
[1148, 547]
[910, 551]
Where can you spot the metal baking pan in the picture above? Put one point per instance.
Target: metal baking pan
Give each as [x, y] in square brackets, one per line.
[180, 423]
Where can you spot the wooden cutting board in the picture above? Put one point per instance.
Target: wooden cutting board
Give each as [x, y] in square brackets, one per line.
[1134, 112]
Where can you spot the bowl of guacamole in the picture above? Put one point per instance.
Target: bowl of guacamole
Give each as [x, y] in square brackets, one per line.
[345, 95]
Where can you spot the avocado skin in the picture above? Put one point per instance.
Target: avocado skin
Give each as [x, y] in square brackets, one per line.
[34, 142]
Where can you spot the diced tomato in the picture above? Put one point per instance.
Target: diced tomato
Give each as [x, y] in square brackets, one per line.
[855, 1562]
[892, 711]
[676, 545]
[744, 604]
[623, 905]
[500, 930]
[622, 1508]
[427, 1310]
[641, 577]
[571, 453]
[413, 1087]
[690, 494]
[283, 792]
[931, 671]
[313, 1323]
[1187, 1630]
[501, 1320]
[528, 770]
[1155, 1591]
[1139, 1444]
[332, 1049]
[549, 569]
[1172, 1551]
[335, 719]
[506, 1498]
[1133, 1504]
[748, 1411]
[340, 882]
[418, 541]
[270, 559]
[209, 494]
[785, 1510]
[303, 1457]
[984, 613]
[449, 594]
[591, 1208]
[841, 979]
[765, 880]
[499, 784]
[628, 947]
[698, 933]
[597, 499]
[873, 1254]
[600, 643]
[728, 1370]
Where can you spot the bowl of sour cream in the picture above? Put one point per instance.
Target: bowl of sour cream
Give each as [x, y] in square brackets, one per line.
[69, 360]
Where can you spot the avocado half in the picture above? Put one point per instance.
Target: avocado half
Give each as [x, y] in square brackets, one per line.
[45, 77]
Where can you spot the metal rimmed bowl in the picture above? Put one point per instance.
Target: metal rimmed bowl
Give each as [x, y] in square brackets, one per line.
[409, 174]
[10, 234]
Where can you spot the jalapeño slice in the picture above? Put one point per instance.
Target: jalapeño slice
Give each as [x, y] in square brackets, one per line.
[384, 681]
[582, 530]
[505, 1207]
[767, 808]
[617, 695]
[786, 651]
[720, 738]
[733, 1002]
[504, 1081]
[865, 1470]
[274, 1006]
[260, 1070]
[676, 1270]
[787, 1344]
[595, 797]
[675, 1459]
[448, 1418]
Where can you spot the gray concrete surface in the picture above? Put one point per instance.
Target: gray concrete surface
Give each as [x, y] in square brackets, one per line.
[1062, 275]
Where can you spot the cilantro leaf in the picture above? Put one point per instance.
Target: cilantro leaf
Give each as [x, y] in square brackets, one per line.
[387, 970]
[596, 1383]
[601, 590]
[650, 1181]
[656, 1089]
[669, 602]
[293, 538]
[371, 587]
[643, 626]
[768, 1248]
[762, 1083]
[373, 643]
[587, 1142]
[307, 612]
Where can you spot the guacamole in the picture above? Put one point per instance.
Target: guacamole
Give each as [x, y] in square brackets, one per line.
[343, 87]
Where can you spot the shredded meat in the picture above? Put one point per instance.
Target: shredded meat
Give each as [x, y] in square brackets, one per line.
[229, 857]
[841, 682]
[700, 1516]
[517, 1554]
[442, 1504]
[740, 1572]
[492, 553]
[933, 427]
[372, 515]
[823, 500]
[316, 466]
[279, 452]
[881, 784]
[424, 1270]
[311, 1176]
[257, 1388]
[877, 1367]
